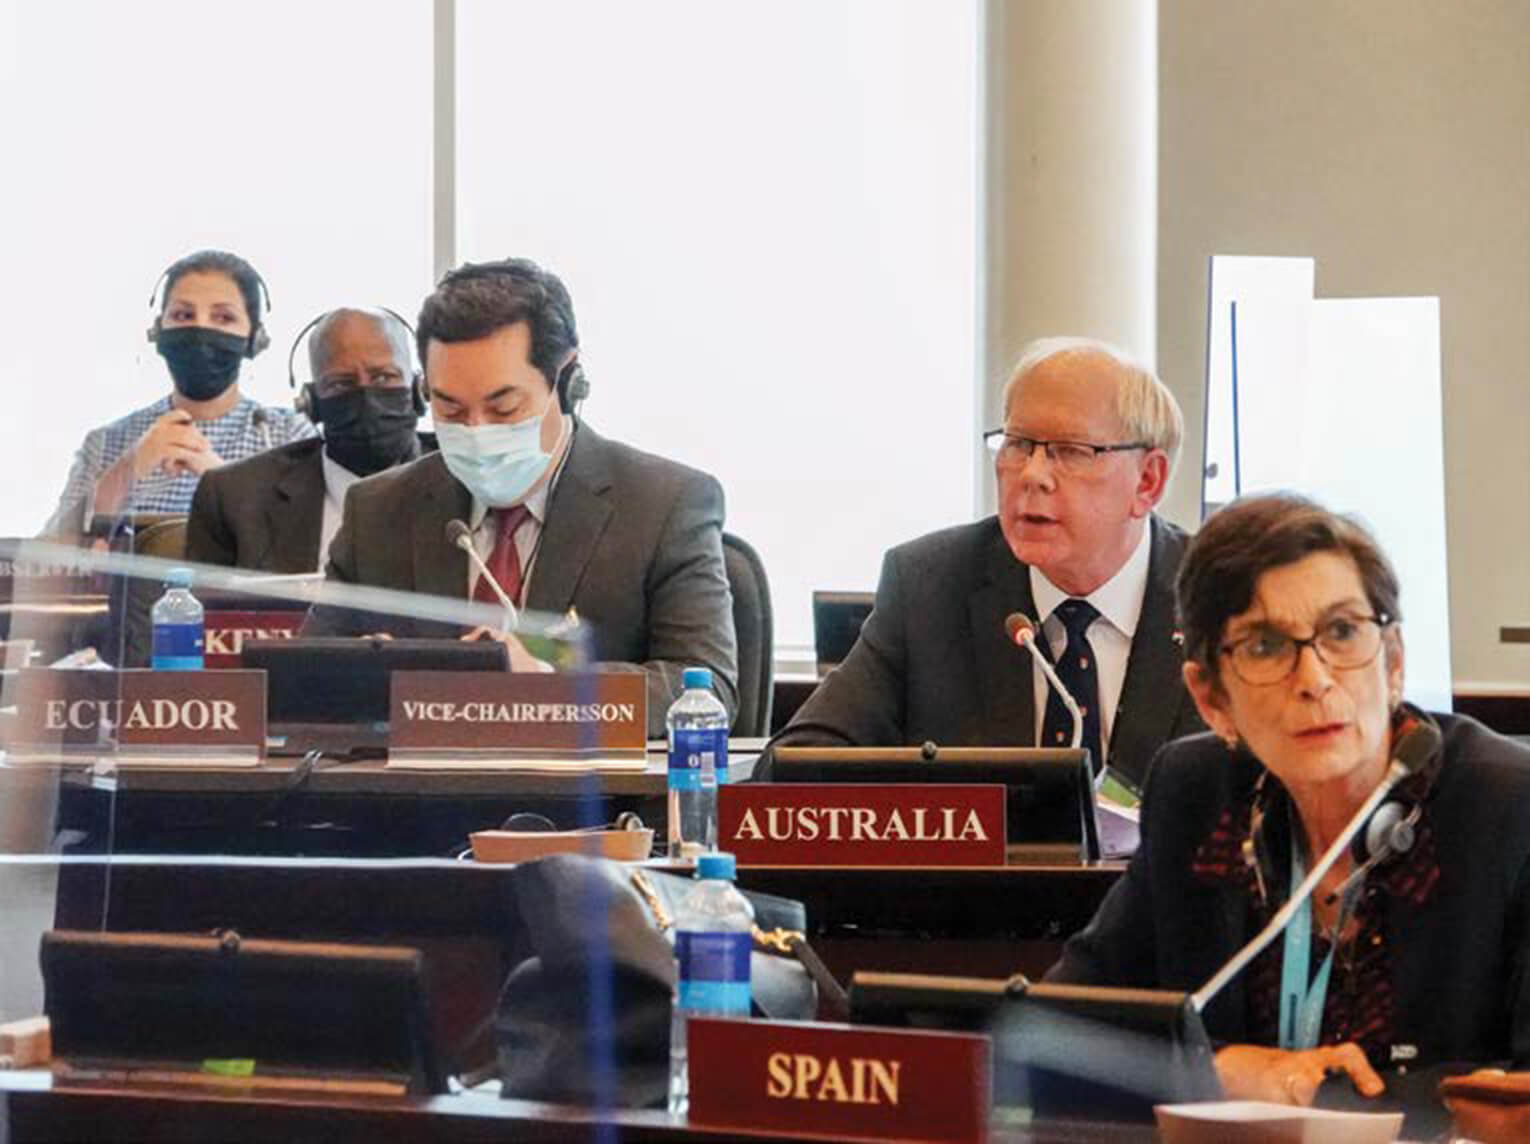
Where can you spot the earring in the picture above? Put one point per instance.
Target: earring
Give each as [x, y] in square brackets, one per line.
[1231, 739]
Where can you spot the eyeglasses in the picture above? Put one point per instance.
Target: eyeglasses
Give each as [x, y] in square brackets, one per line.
[1269, 655]
[1013, 451]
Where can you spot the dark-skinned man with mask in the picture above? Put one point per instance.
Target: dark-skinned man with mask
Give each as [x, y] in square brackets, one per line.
[209, 322]
[567, 520]
[278, 511]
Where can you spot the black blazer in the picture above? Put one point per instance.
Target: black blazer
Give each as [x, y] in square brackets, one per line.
[933, 662]
[1458, 961]
[633, 543]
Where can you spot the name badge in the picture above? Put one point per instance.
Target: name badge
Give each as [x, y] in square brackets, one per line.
[226, 631]
[518, 720]
[855, 824]
[137, 716]
[854, 1084]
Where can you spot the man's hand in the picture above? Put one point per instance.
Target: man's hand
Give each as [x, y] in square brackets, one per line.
[520, 658]
[1252, 1072]
[172, 445]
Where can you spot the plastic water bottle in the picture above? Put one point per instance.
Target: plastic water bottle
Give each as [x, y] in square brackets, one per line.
[698, 761]
[178, 632]
[712, 942]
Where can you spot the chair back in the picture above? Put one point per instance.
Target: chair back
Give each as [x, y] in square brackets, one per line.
[754, 625]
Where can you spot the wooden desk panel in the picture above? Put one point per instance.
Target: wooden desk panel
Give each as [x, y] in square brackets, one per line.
[38, 1113]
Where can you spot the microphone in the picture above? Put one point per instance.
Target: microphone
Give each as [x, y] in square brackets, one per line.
[460, 536]
[1417, 742]
[262, 422]
[1022, 630]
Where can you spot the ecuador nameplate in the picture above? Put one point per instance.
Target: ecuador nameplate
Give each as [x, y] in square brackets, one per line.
[227, 631]
[854, 1084]
[146, 717]
[852, 824]
[518, 720]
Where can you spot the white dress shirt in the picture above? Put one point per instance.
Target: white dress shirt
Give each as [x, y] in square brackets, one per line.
[1119, 602]
[337, 479]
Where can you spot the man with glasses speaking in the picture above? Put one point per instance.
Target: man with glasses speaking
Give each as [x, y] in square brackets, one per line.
[1083, 458]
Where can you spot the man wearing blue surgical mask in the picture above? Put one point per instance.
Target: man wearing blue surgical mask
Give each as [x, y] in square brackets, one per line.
[564, 518]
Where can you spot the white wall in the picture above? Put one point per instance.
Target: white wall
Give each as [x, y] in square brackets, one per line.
[1390, 140]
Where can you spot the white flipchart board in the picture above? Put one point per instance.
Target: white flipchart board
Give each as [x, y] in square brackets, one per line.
[1338, 399]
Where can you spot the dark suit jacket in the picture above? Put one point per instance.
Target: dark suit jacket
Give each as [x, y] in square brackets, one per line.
[632, 542]
[1458, 961]
[264, 513]
[933, 662]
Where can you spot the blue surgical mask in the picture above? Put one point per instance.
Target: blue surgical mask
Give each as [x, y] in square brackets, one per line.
[497, 463]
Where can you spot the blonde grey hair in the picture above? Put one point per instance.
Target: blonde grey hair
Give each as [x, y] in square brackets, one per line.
[1146, 408]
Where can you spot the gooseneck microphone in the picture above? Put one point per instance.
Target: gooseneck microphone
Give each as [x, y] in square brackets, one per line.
[460, 536]
[1022, 630]
[1416, 744]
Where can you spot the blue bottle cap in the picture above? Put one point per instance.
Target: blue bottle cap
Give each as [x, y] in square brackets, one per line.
[717, 865]
[178, 578]
[697, 677]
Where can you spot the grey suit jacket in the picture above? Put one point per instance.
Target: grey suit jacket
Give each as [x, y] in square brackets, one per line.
[264, 513]
[632, 542]
[933, 662]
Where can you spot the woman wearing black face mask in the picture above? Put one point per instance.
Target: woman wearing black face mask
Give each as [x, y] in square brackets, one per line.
[151, 460]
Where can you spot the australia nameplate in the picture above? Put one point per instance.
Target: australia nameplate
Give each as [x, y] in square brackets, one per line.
[850, 1083]
[518, 719]
[138, 717]
[854, 824]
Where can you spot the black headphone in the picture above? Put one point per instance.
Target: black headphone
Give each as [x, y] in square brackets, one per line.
[306, 399]
[571, 386]
[1389, 833]
[258, 340]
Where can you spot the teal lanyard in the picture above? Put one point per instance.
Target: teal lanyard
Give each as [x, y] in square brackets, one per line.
[1301, 1005]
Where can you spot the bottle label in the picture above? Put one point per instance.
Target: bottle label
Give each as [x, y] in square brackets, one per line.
[714, 972]
[690, 750]
[177, 647]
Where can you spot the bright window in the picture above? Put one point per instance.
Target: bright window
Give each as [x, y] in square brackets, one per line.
[766, 215]
[295, 134]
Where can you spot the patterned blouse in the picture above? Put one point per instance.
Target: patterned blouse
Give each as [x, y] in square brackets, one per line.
[246, 429]
[1360, 1003]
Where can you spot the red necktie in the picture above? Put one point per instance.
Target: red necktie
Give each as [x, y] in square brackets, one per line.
[504, 561]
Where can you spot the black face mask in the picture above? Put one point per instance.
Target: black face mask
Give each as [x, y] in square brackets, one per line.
[369, 429]
[202, 362]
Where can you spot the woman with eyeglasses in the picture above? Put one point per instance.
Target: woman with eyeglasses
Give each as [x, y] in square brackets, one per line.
[1412, 952]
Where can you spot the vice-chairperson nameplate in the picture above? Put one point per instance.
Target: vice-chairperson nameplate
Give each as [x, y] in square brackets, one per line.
[853, 824]
[161, 718]
[518, 719]
[855, 1084]
[225, 632]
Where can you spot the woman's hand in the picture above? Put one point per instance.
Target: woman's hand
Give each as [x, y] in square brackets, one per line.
[1252, 1072]
[173, 444]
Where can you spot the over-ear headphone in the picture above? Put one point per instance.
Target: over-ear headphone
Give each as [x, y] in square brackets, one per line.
[306, 397]
[1390, 832]
[259, 338]
[570, 384]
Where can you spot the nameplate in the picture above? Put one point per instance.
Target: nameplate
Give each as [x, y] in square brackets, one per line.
[227, 631]
[138, 716]
[849, 1083]
[858, 824]
[475, 718]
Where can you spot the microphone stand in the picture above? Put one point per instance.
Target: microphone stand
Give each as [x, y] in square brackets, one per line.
[1396, 772]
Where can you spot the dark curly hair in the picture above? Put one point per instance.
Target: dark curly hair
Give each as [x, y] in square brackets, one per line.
[1250, 536]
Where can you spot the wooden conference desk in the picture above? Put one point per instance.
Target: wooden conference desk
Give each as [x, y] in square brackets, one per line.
[462, 915]
[37, 1112]
[356, 809]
